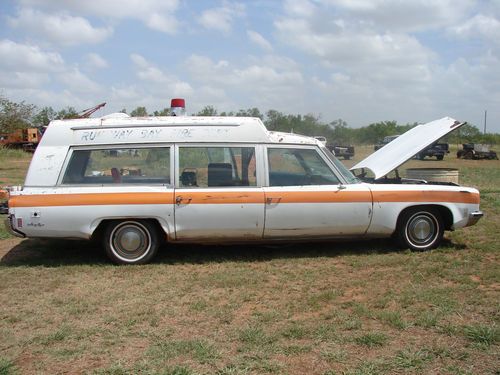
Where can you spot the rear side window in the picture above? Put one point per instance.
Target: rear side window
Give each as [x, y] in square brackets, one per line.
[216, 166]
[119, 166]
[298, 166]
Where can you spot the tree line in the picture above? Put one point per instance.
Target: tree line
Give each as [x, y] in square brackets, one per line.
[23, 115]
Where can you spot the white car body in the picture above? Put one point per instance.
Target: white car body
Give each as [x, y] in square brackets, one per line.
[261, 210]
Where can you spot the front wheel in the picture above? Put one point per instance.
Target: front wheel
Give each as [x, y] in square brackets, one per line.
[420, 228]
[131, 241]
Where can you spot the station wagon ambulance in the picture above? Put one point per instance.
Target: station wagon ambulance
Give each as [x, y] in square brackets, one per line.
[136, 182]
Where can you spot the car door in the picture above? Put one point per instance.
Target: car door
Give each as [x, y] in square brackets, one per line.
[217, 195]
[307, 198]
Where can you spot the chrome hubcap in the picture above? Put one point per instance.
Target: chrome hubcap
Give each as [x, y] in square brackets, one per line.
[422, 229]
[130, 240]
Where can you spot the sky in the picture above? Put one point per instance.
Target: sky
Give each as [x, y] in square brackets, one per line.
[362, 61]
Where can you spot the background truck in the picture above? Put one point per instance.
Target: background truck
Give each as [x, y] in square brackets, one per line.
[439, 150]
[476, 151]
[345, 152]
[27, 139]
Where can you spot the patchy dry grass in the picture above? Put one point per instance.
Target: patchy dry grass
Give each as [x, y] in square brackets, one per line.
[319, 308]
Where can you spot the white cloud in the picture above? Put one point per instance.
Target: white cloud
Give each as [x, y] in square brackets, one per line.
[352, 47]
[156, 14]
[157, 80]
[164, 23]
[399, 15]
[78, 82]
[138, 60]
[22, 80]
[27, 72]
[479, 26]
[221, 18]
[24, 57]
[263, 82]
[360, 58]
[48, 97]
[59, 28]
[259, 40]
[95, 61]
[303, 8]
[125, 94]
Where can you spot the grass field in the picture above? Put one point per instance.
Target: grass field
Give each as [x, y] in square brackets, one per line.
[319, 308]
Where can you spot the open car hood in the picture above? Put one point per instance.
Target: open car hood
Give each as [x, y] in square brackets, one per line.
[406, 146]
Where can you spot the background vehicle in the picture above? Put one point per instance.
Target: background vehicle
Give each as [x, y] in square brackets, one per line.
[345, 152]
[27, 139]
[439, 150]
[476, 151]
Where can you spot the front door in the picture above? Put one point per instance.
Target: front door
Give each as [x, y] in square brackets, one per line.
[305, 197]
[218, 198]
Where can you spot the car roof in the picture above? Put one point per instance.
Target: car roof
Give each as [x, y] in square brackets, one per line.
[120, 128]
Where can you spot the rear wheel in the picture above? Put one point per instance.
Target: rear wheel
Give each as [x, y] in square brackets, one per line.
[420, 228]
[131, 241]
[468, 155]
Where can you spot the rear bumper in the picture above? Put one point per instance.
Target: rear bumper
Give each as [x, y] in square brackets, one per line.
[10, 227]
[474, 217]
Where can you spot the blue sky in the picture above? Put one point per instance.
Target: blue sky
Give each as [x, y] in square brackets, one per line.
[360, 60]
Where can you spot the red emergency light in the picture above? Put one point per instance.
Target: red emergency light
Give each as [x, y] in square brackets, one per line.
[178, 107]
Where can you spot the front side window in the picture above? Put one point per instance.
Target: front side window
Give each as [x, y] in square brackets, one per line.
[217, 166]
[298, 166]
[119, 166]
[346, 173]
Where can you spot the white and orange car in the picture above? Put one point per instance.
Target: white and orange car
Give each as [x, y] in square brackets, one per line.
[136, 182]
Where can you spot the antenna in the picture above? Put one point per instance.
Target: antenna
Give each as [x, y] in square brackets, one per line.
[485, 113]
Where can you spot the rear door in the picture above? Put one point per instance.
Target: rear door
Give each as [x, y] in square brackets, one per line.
[306, 198]
[218, 195]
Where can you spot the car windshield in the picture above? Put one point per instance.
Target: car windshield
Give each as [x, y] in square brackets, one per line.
[346, 173]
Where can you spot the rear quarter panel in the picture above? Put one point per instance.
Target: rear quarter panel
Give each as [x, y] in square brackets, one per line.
[390, 200]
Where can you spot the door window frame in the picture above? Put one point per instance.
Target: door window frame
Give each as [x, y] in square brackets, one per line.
[72, 149]
[318, 150]
[259, 176]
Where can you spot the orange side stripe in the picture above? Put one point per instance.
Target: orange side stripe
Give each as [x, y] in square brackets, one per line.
[335, 196]
[94, 199]
[425, 196]
[242, 197]
[219, 197]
